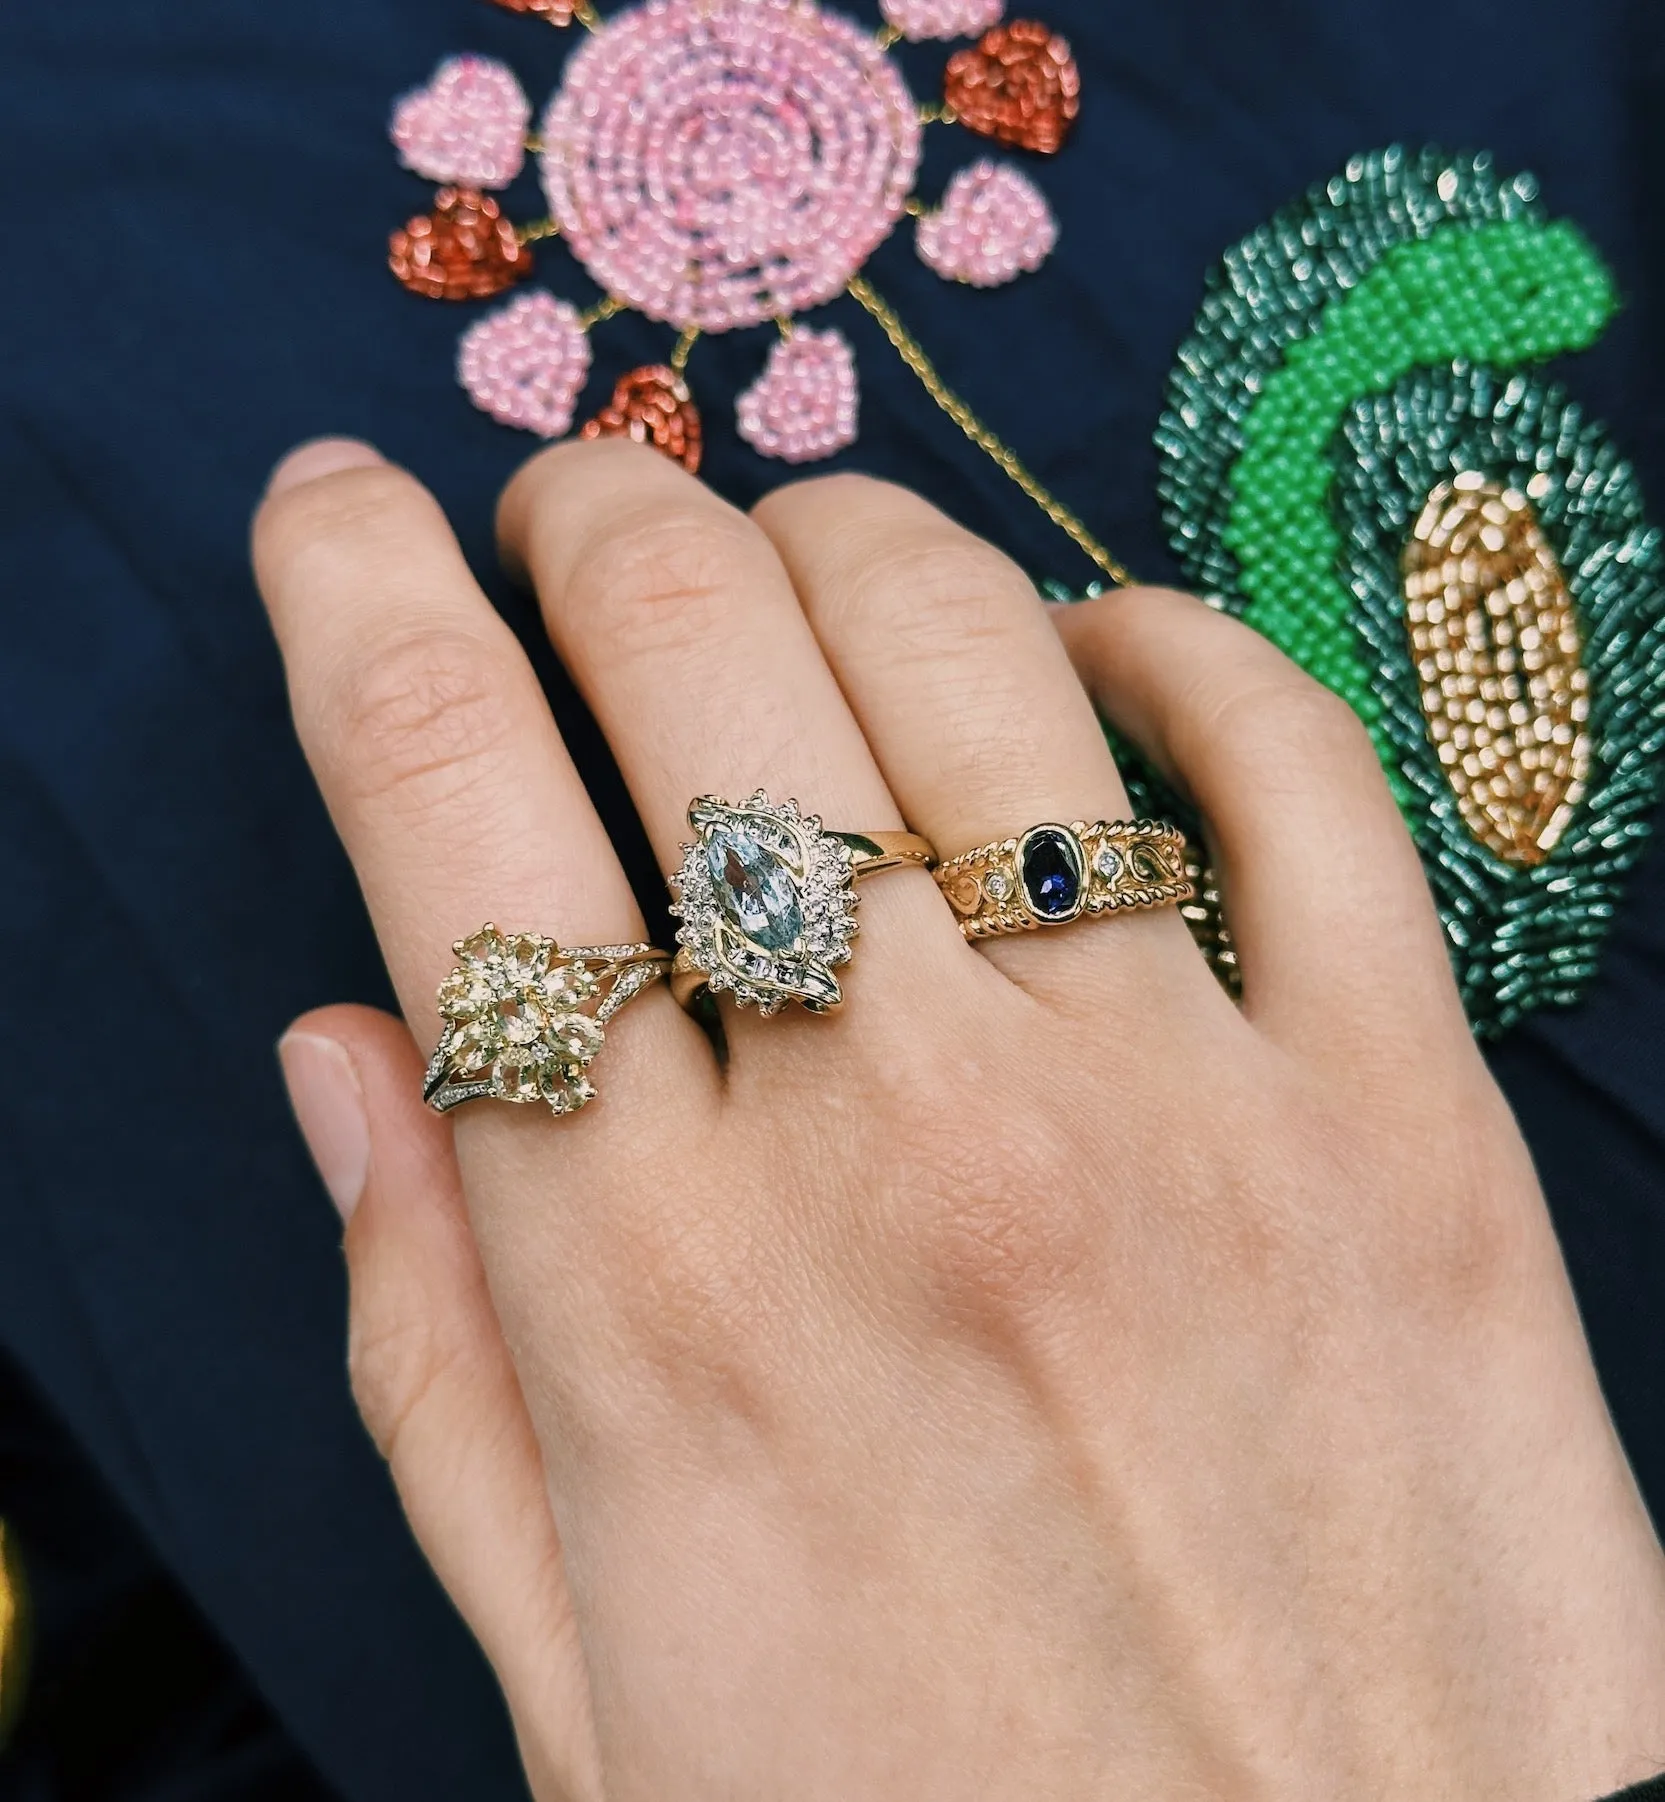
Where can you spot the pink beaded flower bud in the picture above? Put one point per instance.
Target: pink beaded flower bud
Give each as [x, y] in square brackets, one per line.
[467, 126]
[921, 19]
[526, 363]
[803, 406]
[993, 226]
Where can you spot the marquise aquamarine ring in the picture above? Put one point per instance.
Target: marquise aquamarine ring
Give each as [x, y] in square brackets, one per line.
[767, 900]
[1053, 874]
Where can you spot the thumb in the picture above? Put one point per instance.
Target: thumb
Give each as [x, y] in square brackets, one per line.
[433, 1379]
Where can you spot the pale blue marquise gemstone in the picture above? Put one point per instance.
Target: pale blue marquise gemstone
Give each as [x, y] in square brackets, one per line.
[754, 889]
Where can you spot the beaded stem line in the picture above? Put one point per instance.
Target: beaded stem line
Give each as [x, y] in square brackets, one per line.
[912, 353]
[603, 310]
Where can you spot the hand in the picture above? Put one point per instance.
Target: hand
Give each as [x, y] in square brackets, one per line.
[1039, 1380]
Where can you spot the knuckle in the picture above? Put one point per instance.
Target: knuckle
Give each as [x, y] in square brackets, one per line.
[662, 575]
[1283, 719]
[1470, 1240]
[423, 714]
[310, 531]
[398, 1360]
[954, 589]
[1002, 1232]
[694, 1296]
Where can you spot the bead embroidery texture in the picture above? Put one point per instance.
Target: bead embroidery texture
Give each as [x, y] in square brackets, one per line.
[719, 163]
[714, 164]
[1365, 358]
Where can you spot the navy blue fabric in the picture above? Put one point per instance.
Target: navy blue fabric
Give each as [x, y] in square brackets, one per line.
[200, 196]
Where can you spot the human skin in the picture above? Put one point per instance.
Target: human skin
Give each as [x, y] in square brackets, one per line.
[1042, 1378]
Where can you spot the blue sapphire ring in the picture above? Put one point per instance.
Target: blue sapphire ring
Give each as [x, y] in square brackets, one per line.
[767, 899]
[1053, 874]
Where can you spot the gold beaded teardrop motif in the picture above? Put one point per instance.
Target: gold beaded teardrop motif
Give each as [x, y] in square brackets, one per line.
[1499, 656]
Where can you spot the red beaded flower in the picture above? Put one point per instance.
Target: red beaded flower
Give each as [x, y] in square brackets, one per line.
[715, 164]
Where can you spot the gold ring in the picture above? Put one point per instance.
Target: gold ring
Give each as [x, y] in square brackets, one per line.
[767, 900]
[14, 1633]
[524, 1019]
[1054, 874]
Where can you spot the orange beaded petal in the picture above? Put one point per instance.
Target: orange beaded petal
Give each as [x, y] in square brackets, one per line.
[557, 12]
[652, 405]
[1018, 84]
[463, 250]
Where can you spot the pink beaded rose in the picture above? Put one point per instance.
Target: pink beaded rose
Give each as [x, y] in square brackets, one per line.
[713, 164]
[717, 163]
[467, 126]
[920, 19]
[525, 363]
[993, 225]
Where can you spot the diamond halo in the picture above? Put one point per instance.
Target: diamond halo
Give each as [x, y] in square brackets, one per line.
[767, 903]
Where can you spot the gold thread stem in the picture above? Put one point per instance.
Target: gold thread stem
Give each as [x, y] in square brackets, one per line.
[888, 37]
[602, 310]
[536, 231]
[912, 353]
[783, 325]
[587, 16]
[534, 144]
[684, 348]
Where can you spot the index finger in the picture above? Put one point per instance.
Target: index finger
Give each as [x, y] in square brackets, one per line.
[438, 757]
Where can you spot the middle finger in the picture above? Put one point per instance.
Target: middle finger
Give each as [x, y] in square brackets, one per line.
[683, 631]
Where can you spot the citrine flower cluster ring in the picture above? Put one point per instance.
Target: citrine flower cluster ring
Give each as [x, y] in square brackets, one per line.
[525, 1018]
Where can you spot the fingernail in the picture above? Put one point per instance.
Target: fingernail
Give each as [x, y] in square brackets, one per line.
[322, 457]
[328, 1101]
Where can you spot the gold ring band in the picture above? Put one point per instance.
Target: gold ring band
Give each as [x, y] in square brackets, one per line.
[525, 1018]
[1053, 874]
[767, 900]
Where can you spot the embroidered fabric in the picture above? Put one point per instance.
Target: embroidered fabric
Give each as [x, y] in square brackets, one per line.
[1367, 353]
[716, 164]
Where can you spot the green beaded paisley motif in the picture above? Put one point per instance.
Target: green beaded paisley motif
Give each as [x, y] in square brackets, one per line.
[1364, 346]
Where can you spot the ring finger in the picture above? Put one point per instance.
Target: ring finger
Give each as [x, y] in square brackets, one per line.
[969, 702]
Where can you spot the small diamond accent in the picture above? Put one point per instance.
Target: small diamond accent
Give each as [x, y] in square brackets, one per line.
[997, 885]
[1107, 863]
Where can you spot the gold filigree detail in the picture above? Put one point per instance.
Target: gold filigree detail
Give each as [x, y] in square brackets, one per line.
[1122, 864]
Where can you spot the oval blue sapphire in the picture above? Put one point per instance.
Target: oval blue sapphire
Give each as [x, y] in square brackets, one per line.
[1053, 872]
